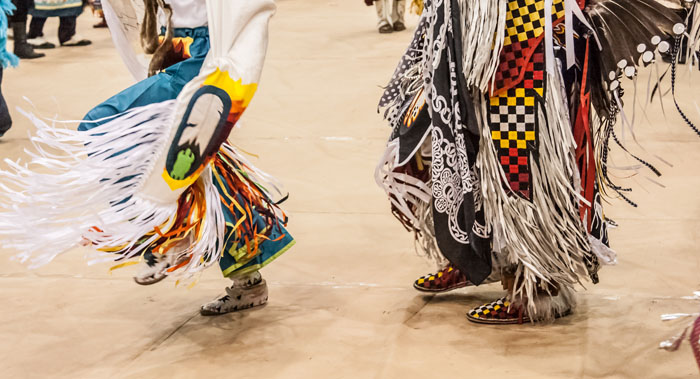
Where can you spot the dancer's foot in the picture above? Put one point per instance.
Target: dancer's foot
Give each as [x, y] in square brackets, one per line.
[40, 43]
[237, 298]
[500, 311]
[22, 49]
[155, 267]
[76, 41]
[101, 24]
[386, 28]
[448, 279]
[503, 312]
[399, 26]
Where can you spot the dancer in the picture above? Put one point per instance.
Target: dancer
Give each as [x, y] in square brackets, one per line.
[97, 10]
[149, 172]
[502, 114]
[390, 15]
[7, 59]
[67, 11]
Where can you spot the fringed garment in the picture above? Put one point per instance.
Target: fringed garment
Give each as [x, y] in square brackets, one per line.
[149, 171]
[518, 100]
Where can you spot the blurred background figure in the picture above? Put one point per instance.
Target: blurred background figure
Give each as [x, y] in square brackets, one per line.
[18, 23]
[390, 14]
[67, 11]
[97, 10]
[417, 7]
[6, 59]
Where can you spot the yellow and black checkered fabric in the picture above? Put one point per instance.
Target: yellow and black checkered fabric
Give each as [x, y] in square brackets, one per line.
[525, 19]
[513, 123]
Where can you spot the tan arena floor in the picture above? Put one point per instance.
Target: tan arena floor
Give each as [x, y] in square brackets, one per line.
[342, 305]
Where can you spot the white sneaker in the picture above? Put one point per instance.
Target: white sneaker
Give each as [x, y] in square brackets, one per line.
[237, 298]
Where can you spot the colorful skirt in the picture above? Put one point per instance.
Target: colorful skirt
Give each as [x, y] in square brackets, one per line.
[255, 235]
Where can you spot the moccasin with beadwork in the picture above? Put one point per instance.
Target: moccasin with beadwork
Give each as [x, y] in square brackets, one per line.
[448, 279]
[500, 311]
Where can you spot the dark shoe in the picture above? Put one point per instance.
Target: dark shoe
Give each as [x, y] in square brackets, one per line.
[448, 279]
[101, 24]
[75, 41]
[40, 43]
[384, 29]
[22, 49]
[399, 26]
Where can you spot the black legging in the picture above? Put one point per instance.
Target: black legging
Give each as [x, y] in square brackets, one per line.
[23, 7]
[66, 27]
[5, 120]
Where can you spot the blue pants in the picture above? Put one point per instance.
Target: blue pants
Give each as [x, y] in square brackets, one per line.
[167, 85]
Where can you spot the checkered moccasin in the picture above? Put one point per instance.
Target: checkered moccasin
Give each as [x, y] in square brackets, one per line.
[448, 279]
[498, 312]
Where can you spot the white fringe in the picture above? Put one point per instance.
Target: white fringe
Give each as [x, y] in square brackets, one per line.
[544, 237]
[402, 189]
[483, 32]
[207, 249]
[404, 192]
[425, 242]
[270, 185]
[693, 36]
[543, 308]
[606, 255]
[71, 185]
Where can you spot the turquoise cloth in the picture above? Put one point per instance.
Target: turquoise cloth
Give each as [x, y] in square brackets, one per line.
[234, 260]
[161, 87]
[6, 58]
[167, 86]
[56, 8]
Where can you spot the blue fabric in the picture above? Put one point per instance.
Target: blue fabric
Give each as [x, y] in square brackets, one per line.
[6, 58]
[161, 87]
[268, 251]
[279, 240]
